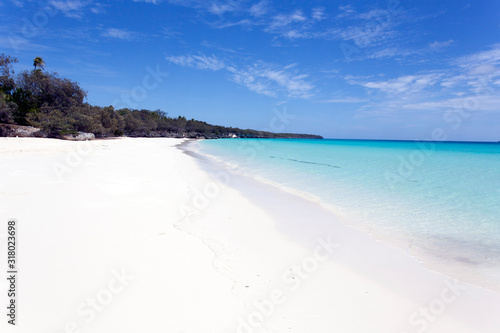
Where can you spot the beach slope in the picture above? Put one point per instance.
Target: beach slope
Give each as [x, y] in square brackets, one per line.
[133, 235]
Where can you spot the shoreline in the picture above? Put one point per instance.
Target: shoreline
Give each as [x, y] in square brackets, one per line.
[207, 253]
[428, 260]
[361, 258]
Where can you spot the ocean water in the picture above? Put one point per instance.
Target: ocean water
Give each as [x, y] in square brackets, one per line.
[438, 201]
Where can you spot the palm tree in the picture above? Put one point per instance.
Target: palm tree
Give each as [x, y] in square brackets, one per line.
[38, 62]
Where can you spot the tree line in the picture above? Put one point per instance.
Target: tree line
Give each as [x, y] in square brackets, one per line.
[57, 107]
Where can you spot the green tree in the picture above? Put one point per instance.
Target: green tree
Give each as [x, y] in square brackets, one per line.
[51, 121]
[38, 63]
[7, 111]
[25, 105]
[36, 89]
[112, 122]
[7, 83]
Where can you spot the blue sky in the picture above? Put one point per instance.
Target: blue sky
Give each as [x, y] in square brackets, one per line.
[343, 69]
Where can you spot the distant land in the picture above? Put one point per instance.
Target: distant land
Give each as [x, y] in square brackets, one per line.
[37, 103]
[193, 129]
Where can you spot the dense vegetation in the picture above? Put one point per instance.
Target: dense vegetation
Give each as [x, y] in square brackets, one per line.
[57, 106]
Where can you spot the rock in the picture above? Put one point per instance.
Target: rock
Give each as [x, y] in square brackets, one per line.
[80, 136]
[9, 130]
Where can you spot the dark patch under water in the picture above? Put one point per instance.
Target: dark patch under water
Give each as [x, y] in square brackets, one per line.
[306, 162]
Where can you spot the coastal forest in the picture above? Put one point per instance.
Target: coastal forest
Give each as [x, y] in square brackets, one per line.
[56, 106]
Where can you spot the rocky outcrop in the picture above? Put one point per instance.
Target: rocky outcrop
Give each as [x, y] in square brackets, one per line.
[9, 130]
[80, 136]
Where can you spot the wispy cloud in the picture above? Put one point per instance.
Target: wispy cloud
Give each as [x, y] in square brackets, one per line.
[169, 32]
[267, 79]
[198, 61]
[471, 72]
[318, 13]
[376, 28]
[346, 100]
[260, 77]
[294, 25]
[403, 84]
[283, 20]
[367, 29]
[390, 52]
[17, 3]
[219, 8]
[440, 45]
[259, 9]
[346, 11]
[475, 72]
[117, 33]
[223, 25]
[473, 103]
[97, 8]
[70, 8]
[375, 14]
[78, 66]
[490, 57]
[470, 82]
[17, 43]
[218, 47]
[149, 1]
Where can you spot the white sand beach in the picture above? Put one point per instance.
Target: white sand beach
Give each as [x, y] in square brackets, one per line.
[133, 235]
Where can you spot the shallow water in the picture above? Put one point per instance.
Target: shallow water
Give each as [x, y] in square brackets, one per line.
[439, 201]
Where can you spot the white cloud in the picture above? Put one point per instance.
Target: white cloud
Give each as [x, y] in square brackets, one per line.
[318, 13]
[484, 69]
[491, 57]
[17, 3]
[368, 34]
[377, 14]
[251, 82]
[198, 61]
[266, 79]
[346, 11]
[403, 84]
[295, 34]
[117, 33]
[292, 25]
[477, 71]
[213, 7]
[346, 100]
[97, 9]
[169, 33]
[374, 28]
[453, 80]
[244, 22]
[470, 103]
[221, 8]
[148, 1]
[283, 20]
[260, 77]
[70, 8]
[259, 9]
[389, 52]
[440, 45]
[471, 83]
[17, 43]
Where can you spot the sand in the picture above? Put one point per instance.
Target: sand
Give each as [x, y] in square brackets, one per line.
[133, 235]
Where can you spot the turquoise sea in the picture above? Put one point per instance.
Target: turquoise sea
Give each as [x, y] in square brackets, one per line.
[438, 201]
